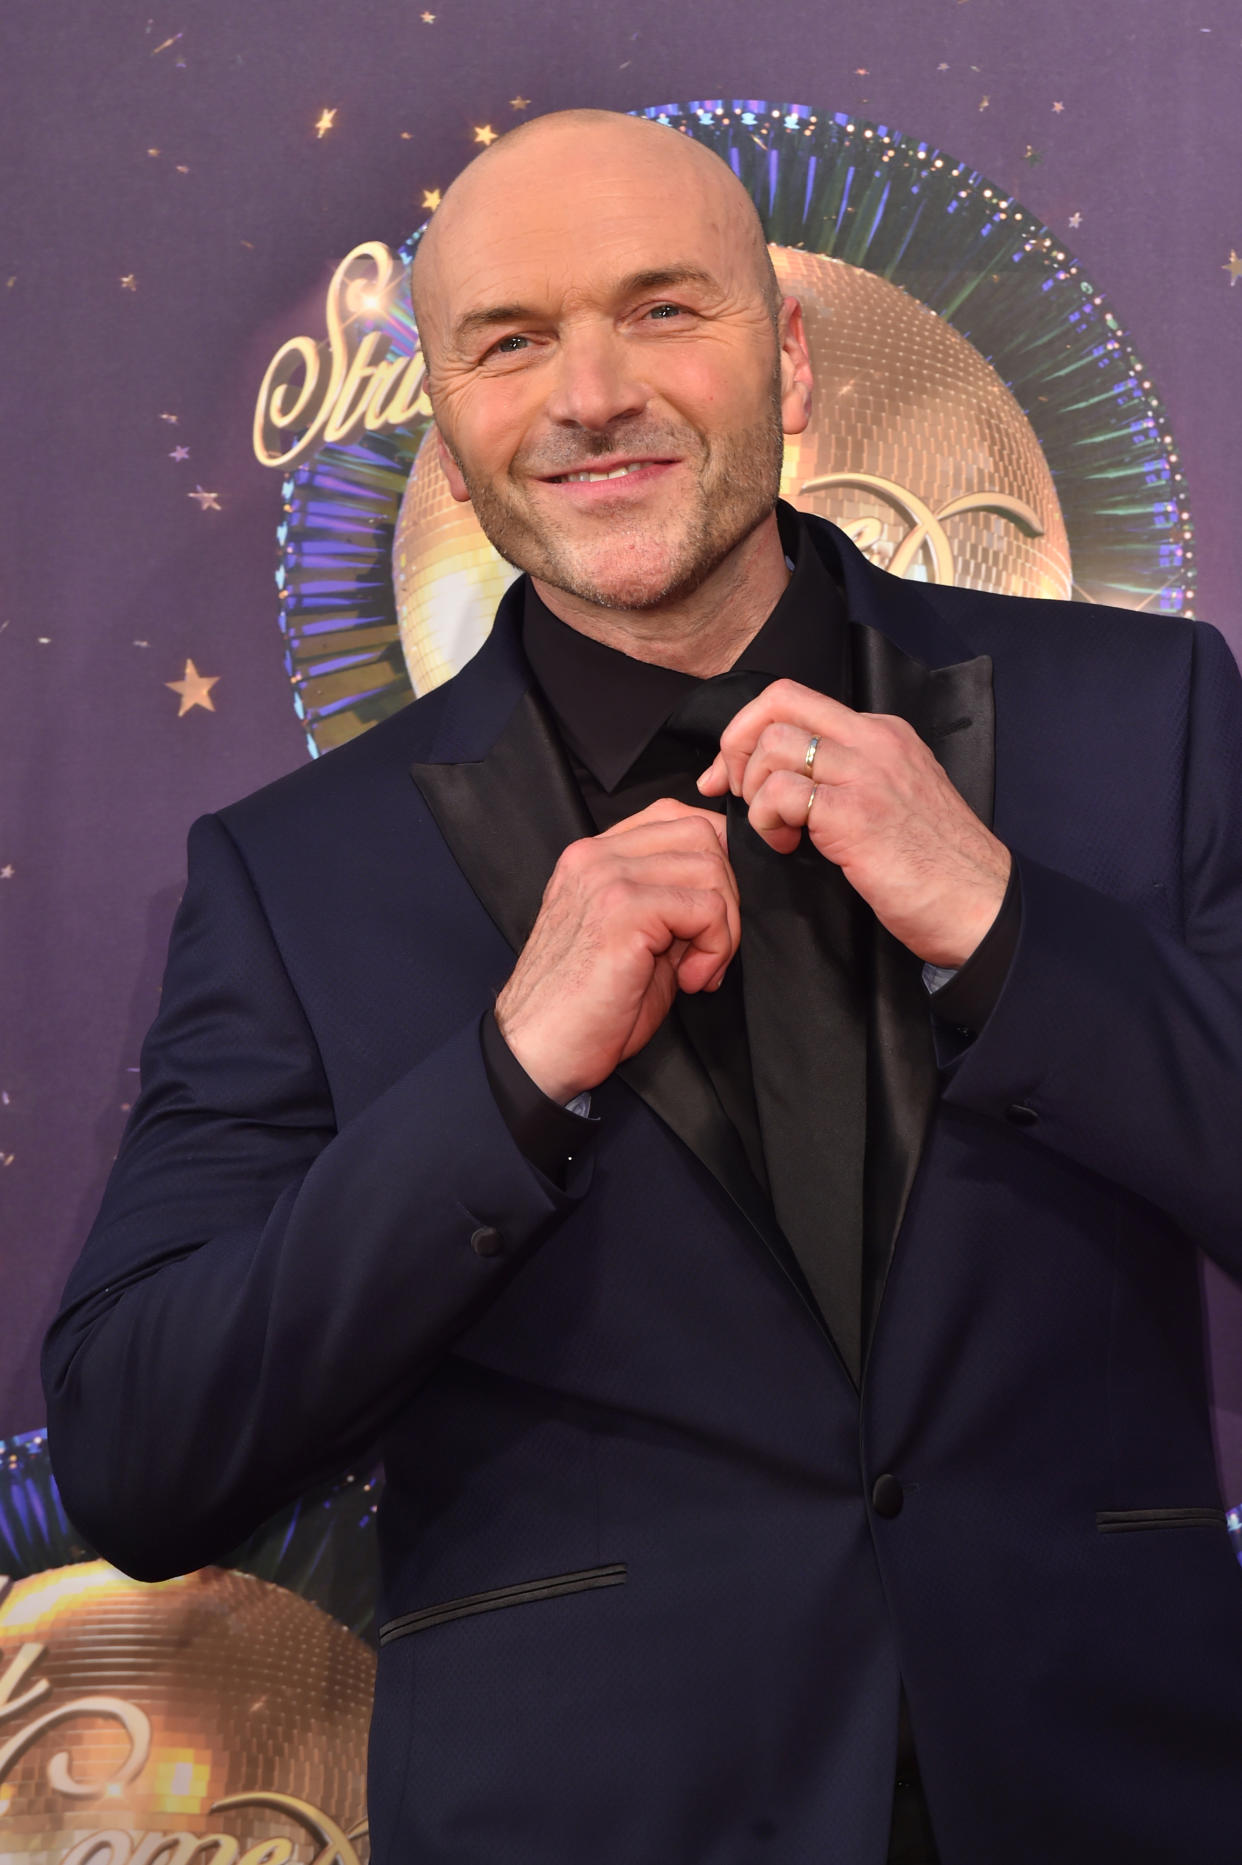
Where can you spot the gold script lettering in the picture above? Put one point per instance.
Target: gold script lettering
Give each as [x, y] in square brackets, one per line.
[334, 1847]
[133, 1720]
[926, 525]
[357, 386]
[89, 1851]
[184, 1848]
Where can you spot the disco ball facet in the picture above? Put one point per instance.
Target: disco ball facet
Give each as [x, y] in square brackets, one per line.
[131, 1709]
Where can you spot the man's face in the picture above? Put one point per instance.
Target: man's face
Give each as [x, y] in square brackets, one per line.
[606, 376]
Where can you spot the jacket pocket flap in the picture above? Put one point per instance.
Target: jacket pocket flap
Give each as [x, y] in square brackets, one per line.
[1125, 1521]
[580, 1582]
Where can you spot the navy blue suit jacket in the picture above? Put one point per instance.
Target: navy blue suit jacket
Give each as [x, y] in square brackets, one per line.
[640, 1604]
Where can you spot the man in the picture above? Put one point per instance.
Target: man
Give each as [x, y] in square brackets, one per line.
[767, 1251]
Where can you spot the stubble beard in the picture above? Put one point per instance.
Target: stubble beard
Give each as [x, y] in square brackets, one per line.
[736, 487]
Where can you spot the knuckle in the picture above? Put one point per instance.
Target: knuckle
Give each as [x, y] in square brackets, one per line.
[577, 855]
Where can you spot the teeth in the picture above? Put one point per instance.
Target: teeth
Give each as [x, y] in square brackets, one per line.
[618, 472]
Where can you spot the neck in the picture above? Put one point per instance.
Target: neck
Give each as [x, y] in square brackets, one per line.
[701, 633]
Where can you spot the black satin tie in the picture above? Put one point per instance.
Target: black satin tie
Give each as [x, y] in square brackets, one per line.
[805, 968]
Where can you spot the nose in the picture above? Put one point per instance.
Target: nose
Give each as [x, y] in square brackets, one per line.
[594, 381]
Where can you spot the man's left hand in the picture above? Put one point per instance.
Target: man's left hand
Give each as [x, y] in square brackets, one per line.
[880, 807]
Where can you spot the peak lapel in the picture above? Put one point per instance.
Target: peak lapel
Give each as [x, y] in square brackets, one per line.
[507, 809]
[906, 660]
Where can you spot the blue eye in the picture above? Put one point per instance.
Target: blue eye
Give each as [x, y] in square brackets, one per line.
[508, 346]
[665, 310]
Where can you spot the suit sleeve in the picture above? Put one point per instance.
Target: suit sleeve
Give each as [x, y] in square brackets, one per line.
[1118, 1044]
[261, 1291]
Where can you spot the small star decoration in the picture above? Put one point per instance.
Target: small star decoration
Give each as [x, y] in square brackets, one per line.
[428, 19]
[6, 873]
[194, 688]
[1058, 108]
[324, 123]
[170, 417]
[1075, 220]
[431, 199]
[519, 102]
[485, 134]
[128, 282]
[206, 501]
[985, 103]
[1233, 265]
[179, 453]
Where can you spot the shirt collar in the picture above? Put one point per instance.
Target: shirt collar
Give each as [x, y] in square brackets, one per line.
[610, 706]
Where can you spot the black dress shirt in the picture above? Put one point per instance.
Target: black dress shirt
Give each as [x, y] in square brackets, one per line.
[609, 709]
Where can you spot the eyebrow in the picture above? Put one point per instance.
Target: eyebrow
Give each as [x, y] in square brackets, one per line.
[656, 278]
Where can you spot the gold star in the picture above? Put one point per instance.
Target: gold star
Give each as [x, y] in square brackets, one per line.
[1233, 266]
[1058, 108]
[428, 19]
[942, 67]
[128, 282]
[170, 417]
[206, 501]
[325, 122]
[985, 103]
[6, 873]
[485, 134]
[519, 103]
[195, 689]
[152, 151]
[431, 198]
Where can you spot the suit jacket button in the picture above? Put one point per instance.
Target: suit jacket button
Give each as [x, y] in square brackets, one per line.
[887, 1496]
[486, 1242]
[1021, 1115]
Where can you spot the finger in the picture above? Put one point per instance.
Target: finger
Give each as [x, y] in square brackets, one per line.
[780, 807]
[668, 823]
[784, 702]
[783, 747]
[714, 781]
[704, 873]
[702, 919]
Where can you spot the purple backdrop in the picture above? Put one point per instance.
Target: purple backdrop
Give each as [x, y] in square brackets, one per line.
[170, 215]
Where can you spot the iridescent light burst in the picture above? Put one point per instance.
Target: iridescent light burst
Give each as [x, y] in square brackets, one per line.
[852, 190]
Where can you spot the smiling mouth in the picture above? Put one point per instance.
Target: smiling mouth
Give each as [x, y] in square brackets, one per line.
[593, 475]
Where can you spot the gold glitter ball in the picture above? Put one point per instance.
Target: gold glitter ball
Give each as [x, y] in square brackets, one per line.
[130, 1711]
[915, 448]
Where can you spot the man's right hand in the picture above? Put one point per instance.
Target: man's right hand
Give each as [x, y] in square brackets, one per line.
[629, 918]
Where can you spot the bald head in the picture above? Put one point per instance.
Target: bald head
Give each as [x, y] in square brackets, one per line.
[572, 166]
[610, 363]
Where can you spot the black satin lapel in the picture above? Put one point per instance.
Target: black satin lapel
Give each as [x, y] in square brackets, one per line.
[506, 818]
[670, 1079]
[952, 710]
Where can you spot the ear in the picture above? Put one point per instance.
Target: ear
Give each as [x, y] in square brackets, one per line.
[451, 470]
[796, 378]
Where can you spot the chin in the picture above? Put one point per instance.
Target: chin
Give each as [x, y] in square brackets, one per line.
[629, 575]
